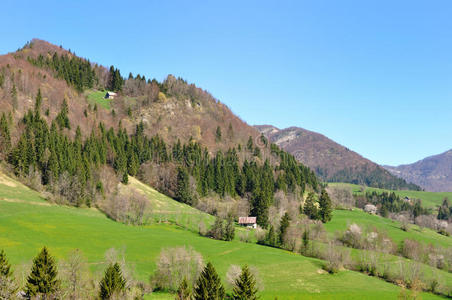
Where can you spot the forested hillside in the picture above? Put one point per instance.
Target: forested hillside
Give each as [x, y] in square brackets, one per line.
[171, 134]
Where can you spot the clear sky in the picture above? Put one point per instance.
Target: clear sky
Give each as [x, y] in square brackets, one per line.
[375, 76]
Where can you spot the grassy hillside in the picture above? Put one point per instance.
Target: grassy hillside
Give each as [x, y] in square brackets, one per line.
[27, 223]
[163, 209]
[429, 199]
[98, 97]
[343, 218]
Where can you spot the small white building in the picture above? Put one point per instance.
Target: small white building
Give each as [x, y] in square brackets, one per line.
[110, 95]
[248, 222]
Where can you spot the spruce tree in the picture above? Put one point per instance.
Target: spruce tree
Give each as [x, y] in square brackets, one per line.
[183, 292]
[245, 286]
[285, 222]
[325, 207]
[42, 281]
[208, 286]
[113, 282]
[218, 134]
[5, 135]
[183, 193]
[309, 208]
[7, 285]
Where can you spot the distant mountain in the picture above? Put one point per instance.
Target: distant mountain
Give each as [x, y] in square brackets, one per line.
[332, 161]
[433, 173]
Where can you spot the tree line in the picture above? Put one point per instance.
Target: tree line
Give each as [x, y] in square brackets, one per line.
[43, 282]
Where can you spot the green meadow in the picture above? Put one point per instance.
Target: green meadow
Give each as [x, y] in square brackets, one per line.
[429, 199]
[28, 222]
[97, 97]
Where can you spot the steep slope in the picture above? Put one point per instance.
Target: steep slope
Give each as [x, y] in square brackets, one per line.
[433, 173]
[331, 161]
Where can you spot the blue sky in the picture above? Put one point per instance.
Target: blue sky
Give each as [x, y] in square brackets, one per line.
[375, 76]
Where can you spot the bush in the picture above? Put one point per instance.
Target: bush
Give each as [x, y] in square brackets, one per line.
[352, 237]
[336, 258]
[174, 265]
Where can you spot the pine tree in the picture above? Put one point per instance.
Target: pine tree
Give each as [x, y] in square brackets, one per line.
[183, 292]
[14, 96]
[208, 286]
[183, 193]
[5, 136]
[42, 281]
[218, 134]
[113, 282]
[5, 267]
[285, 222]
[325, 207]
[245, 286]
[309, 208]
[7, 284]
[229, 230]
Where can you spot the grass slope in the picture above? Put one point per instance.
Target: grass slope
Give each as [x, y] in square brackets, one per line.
[429, 199]
[27, 223]
[343, 218]
[98, 97]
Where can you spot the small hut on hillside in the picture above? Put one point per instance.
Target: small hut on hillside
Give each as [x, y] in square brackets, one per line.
[248, 222]
[110, 95]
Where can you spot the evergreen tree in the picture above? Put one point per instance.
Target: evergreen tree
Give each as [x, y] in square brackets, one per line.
[208, 285]
[443, 211]
[229, 230]
[7, 284]
[38, 102]
[245, 286]
[14, 96]
[183, 193]
[125, 178]
[309, 208]
[183, 292]
[218, 134]
[5, 267]
[325, 207]
[5, 136]
[42, 281]
[285, 222]
[113, 283]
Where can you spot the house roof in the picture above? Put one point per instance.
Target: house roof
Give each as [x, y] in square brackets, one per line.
[247, 220]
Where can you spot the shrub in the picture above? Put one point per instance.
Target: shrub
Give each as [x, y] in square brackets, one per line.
[336, 258]
[174, 265]
[352, 237]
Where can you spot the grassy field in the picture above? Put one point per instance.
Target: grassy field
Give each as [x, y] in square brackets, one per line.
[343, 218]
[429, 199]
[28, 222]
[98, 97]
[163, 209]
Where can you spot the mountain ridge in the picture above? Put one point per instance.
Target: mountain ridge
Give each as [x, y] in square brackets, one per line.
[433, 173]
[330, 160]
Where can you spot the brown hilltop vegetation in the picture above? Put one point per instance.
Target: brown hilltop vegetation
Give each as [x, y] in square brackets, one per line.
[330, 160]
[182, 111]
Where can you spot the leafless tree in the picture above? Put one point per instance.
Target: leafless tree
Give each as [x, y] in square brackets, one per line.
[175, 264]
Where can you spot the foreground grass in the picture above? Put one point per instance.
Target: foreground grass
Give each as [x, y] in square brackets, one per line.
[27, 223]
[429, 199]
